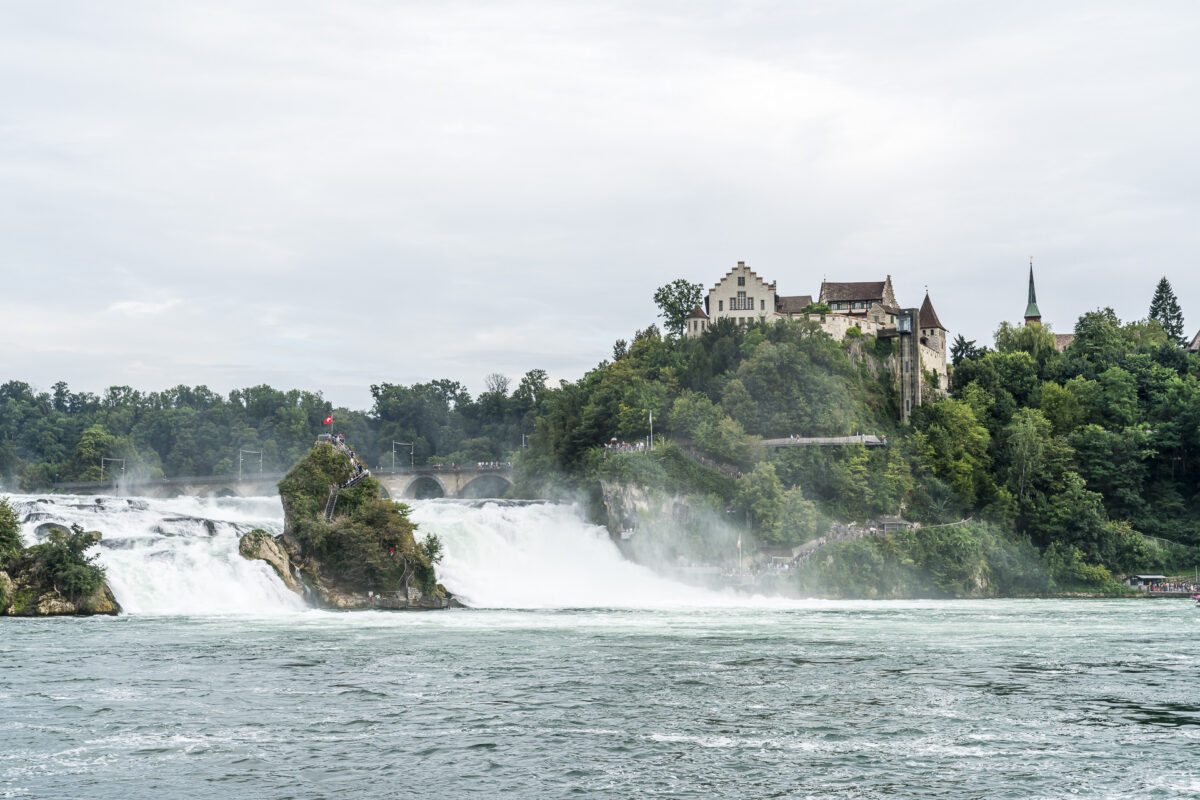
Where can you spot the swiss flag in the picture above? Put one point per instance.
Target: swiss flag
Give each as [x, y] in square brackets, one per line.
[329, 420]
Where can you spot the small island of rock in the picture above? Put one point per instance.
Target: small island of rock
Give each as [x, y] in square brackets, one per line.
[343, 544]
[53, 578]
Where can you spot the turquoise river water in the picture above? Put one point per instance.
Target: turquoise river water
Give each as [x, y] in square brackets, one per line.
[652, 695]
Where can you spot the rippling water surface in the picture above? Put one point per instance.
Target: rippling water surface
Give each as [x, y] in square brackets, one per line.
[992, 700]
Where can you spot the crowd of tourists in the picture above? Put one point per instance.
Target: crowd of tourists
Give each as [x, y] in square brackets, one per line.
[624, 447]
[1173, 586]
[338, 441]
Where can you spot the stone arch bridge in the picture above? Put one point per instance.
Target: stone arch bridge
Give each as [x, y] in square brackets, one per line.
[401, 483]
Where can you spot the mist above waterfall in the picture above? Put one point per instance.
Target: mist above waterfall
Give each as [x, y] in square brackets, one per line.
[501, 554]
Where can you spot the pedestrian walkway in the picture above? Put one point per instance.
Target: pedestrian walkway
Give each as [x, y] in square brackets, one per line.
[867, 440]
[359, 471]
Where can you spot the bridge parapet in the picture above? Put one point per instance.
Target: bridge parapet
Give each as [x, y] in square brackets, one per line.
[420, 482]
[401, 482]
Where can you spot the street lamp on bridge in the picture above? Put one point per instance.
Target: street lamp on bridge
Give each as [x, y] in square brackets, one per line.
[241, 455]
[411, 457]
[102, 460]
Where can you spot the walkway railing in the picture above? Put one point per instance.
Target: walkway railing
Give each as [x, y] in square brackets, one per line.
[867, 440]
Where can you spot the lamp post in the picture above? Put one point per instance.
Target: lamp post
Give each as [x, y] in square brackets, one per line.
[651, 430]
[410, 447]
[102, 460]
[241, 454]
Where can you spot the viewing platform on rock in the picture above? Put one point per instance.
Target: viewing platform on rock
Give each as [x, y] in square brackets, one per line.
[867, 440]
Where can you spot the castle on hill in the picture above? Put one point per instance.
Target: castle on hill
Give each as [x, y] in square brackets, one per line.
[870, 307]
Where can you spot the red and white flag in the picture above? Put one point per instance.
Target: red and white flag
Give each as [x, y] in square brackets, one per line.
[329, 420]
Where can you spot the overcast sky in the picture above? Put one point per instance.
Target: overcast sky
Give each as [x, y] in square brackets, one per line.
[330, 195]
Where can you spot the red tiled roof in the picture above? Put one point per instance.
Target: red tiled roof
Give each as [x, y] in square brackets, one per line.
[844, 292]
[929, 317]
[697, 313]
[793, 304]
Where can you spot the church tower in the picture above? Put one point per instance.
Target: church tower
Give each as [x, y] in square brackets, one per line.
[1031, 310]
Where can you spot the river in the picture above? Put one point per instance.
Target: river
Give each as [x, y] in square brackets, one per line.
[575, 674]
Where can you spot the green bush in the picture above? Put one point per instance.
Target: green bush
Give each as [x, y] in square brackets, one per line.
[10, 534]
[61, 561]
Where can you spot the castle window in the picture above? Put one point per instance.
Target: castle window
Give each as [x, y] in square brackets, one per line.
[762, 305]
[741, 301]
[720, 305]
[741, 280]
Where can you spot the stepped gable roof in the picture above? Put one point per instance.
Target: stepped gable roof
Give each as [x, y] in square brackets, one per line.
[1063, 340]
[697, 313]
[1195, 345]
[929, 317]
[843, 292]
[741, 265]
[793, 304]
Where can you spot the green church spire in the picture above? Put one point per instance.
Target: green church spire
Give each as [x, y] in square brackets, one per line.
[1031, 311]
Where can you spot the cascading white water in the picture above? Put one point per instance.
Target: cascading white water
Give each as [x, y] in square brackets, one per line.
[176, 556]
[513, 555]
[180, 556]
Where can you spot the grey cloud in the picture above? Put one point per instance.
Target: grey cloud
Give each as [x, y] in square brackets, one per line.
[344, 194]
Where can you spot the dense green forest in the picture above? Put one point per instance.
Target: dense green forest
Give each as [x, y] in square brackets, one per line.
[62, 435]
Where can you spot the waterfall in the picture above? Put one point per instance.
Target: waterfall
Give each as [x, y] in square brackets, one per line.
[501, 554]
[177, 556]
[180, 556]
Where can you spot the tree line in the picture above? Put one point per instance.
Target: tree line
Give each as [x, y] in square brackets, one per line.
[60, 435]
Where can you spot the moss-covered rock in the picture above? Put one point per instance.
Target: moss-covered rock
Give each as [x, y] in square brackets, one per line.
[55, 579]
[366, 555]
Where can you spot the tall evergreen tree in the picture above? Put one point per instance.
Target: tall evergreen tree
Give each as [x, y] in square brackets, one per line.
[1165, 308]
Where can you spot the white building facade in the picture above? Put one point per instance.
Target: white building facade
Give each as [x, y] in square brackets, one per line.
[741, 296]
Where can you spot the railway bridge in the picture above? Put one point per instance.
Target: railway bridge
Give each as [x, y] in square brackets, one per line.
[400, 483]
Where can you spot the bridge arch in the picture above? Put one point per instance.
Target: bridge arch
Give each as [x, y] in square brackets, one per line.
[486, 486]
[423, 487]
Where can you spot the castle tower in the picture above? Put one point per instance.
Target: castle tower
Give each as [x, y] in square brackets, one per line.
[1031, 310]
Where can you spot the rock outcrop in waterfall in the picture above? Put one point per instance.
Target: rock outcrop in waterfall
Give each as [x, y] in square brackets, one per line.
[343, 545]
[53, 578]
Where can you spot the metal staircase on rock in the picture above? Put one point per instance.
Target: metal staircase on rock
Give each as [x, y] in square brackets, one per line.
[332, 503]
